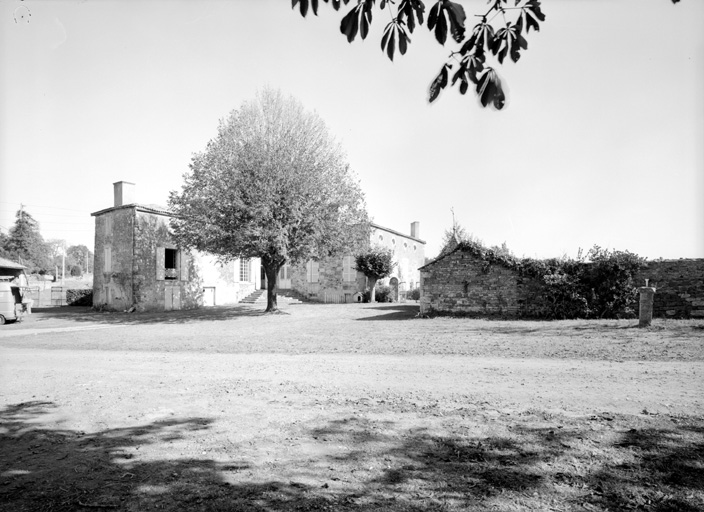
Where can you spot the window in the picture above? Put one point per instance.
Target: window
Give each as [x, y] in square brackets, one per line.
[393, 241]
[170, 264]
[381, 238]
[108, 225]
[312, 271]
[348, 271]
[284, 272]
[244, 269]
[108, 259]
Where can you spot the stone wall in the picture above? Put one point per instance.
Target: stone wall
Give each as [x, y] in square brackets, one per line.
[679, 287]
[112, 280]
[461, 283]
[130, 238]
[408, 253]
[154, 293]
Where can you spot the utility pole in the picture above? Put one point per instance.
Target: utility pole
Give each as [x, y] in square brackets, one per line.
[63, 264]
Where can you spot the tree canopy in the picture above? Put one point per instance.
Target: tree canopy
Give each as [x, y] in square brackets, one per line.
[499, 33]
[26, 245]
[376, 263]
[79, 255]
[272, 184]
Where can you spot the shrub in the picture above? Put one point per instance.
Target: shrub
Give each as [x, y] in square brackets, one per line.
[608, 280]
[76, 271]
[413, 294]
[82, 297]
[383, 294]
[598, 286]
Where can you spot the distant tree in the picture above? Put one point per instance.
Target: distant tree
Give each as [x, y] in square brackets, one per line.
[377, 263]
[272, 184]
[498, 34]
[77, 254]
[26, 244]
[56, 248]
[4, 240]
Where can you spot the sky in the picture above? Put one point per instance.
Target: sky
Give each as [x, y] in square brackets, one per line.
[601, 142]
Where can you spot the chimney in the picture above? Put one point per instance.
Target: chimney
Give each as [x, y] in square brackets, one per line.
[124, 193]
[415, 229]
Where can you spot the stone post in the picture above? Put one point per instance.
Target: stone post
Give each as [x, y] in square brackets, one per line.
[647, 293]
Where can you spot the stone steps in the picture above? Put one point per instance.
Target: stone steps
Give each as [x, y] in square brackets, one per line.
[283, 296]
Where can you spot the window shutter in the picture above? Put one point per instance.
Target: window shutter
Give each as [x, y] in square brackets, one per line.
[347, 270]
[108, 259]
[312, 271]
[160, 263]
[185, 262]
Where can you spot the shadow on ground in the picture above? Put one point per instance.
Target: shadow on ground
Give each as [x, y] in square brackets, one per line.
[650, 469]
[89, 315]
[393, 312]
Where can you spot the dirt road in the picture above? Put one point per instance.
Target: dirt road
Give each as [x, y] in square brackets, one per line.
[326, 406]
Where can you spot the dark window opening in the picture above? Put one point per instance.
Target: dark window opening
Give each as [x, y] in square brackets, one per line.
[171, 263]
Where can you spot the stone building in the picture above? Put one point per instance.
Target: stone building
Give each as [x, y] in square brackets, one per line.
[459, 282]
[138, 264]
[335, 280]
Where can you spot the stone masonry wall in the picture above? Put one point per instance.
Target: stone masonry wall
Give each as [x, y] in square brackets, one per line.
[408, 253]
[679, 287]
[152, 232]
[461, 283]
[112, 281]
[329, 281]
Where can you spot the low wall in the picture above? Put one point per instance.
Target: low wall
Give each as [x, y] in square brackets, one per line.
[679, 287]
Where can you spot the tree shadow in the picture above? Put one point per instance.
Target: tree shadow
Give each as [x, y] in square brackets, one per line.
[394, 312]
[89, 315]
[549, 465]
[652, 469]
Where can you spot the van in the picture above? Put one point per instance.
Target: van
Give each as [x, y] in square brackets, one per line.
[12, 307]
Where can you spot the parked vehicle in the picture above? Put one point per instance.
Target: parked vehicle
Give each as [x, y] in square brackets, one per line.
[13, 305]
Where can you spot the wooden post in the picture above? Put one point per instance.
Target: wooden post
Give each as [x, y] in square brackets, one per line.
[647, 293]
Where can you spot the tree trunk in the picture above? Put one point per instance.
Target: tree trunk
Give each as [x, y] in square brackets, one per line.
[271, 270]
[372, 289]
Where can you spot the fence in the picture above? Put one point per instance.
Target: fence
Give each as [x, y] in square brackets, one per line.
[48, 297]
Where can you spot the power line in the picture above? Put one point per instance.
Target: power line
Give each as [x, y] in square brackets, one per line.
[42, 206]
[44, 214]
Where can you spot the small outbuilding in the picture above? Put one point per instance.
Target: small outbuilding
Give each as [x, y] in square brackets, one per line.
[467, 280]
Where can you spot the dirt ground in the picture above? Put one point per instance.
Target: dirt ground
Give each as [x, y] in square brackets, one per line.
[348, 407]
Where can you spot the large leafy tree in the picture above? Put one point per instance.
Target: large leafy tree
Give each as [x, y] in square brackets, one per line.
[272, 184]
[376, 263]
[499, 33]
[26, 244]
